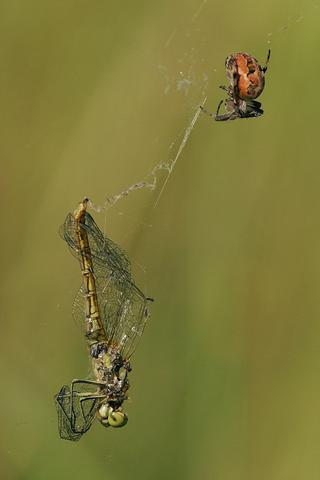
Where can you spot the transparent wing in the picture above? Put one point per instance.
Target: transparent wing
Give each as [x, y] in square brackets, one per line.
[124, 311]
[123, 307]
[78, 310]
[102, 248]
[75, 413]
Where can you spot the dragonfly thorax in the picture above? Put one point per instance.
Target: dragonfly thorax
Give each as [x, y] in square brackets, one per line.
[112, 371]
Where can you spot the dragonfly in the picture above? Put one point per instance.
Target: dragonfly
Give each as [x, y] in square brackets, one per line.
[114, 312]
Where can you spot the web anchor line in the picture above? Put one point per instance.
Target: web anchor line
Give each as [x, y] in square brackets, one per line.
[151, 179]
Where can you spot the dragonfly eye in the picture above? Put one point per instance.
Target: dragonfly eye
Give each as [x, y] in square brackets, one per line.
[104, 411]
[117, 419]
[110, 417]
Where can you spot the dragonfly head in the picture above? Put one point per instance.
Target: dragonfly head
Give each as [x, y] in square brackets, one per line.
[110, 417]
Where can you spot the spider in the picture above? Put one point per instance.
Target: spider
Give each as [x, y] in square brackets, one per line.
[246, 82]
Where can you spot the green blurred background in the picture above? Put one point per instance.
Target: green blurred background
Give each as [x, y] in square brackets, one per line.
[226, 378]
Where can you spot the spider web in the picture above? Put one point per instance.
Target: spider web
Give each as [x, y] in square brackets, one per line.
[151, 179]
[194, 78]
[186, 80]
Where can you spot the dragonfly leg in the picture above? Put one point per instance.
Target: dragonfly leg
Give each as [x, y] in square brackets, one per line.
[86, 398]
[76, 412]
[89, 382]
[86, 382]
[81, 382]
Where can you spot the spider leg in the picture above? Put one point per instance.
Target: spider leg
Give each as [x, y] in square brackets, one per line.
[264, 69]
[218, 109]
[253, 103]
[207, 112]
[252, 113]
[226, 116]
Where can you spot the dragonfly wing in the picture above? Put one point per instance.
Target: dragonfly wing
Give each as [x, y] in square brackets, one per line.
[125, 313]
[101, 247]
[132, 320]
[75, 414]
[78, 310]
[65, 421]
[122, 306]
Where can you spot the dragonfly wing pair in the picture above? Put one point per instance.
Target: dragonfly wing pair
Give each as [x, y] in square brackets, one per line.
[123, 306]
